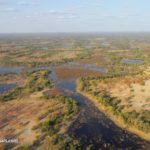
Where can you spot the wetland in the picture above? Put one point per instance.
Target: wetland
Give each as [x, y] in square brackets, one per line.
[43, 75]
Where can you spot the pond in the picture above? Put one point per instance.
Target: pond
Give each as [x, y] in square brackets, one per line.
[132, 61]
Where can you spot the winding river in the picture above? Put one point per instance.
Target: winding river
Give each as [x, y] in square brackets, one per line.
[92, 127]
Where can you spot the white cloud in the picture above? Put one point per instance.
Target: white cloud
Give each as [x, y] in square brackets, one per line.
[67, 17]
[56, 12]
[9, 9]
[25, 3]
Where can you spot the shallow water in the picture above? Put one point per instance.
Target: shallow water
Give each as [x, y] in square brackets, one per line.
[92, 67]
[132, 61]
[6, 87]
[5, 71]
[8, 70]
[93, 127]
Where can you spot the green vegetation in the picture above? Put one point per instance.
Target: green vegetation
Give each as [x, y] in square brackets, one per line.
[70, 109]
[52, 127]
[36, 81]
[85, 54]
[54, 123]
[23, 148]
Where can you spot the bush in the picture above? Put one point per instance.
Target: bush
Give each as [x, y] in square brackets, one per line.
[23, 148]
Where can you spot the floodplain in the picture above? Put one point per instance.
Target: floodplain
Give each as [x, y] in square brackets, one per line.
[75, 91]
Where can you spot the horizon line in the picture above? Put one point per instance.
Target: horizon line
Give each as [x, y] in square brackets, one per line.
[75, 32]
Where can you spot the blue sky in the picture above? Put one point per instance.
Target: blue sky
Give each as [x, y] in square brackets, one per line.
[74, 15]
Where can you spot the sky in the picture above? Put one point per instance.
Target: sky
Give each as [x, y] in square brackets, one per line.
[19, 16]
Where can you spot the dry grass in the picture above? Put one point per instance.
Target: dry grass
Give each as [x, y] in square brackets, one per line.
[132, 91]
[20, 117]
[36, 57]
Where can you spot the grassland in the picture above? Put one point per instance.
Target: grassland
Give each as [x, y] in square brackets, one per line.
[47, 125]
[35, 54]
